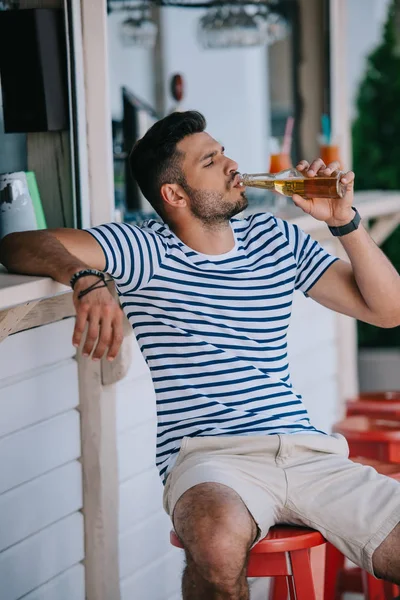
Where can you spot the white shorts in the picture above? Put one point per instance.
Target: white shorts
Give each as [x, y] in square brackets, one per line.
[299, 479]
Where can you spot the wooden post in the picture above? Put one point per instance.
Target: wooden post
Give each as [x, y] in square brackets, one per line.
[98, 112]
[100, 482]
[98, 402]
[340, 113]
[311, 75]
[341, 130]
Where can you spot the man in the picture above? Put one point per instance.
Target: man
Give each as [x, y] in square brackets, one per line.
[209, 298]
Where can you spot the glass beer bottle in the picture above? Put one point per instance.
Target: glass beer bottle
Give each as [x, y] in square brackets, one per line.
[291, 181]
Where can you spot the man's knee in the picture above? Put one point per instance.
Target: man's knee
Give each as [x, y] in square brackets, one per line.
[216, 530]
[386, 558]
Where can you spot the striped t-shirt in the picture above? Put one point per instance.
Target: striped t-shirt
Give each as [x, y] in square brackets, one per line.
[212, 329]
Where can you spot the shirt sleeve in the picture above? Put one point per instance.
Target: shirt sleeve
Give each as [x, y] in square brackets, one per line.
[312, 260]
[132, 254]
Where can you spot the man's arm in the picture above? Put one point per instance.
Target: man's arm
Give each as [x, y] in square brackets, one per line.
[56, 253]
[60, 253]
[369, 287]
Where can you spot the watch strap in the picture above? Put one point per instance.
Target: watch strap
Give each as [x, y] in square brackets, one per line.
[345, 229]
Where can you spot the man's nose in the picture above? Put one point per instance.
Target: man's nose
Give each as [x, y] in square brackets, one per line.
[232, 166]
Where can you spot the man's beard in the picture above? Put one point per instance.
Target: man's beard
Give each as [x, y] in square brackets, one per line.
[212, 208]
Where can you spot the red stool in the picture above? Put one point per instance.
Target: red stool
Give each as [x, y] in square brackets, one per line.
[339, 579]
[378, 439]
[284, 552]
[378, 405]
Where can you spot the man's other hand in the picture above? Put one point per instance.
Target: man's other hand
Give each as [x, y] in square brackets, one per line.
[104, 317]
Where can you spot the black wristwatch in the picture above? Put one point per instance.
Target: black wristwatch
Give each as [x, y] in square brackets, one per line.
[345, 229]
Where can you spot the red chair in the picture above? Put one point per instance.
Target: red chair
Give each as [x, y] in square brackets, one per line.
[378, 439]
[340, 579]
[377, 405]
[283, 553]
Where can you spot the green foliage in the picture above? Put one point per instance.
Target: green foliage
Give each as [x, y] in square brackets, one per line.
[376, 146]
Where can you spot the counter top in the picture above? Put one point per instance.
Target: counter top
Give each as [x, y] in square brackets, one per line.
[19, 289]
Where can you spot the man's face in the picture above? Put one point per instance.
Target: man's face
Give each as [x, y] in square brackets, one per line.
[211, 179]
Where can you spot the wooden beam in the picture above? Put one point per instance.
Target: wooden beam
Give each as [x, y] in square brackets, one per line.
[340, 114]
[98, 402]
[311, 75]
[10, 319]
[98, 112]
[383, 228]
[112, 372]
[100, 482]
[35, 314]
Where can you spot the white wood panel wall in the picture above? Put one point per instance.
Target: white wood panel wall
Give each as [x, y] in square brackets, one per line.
[41, 526]
[312, 348]
[149, 567]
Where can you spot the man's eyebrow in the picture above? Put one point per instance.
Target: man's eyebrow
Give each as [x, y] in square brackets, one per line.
[211, 154]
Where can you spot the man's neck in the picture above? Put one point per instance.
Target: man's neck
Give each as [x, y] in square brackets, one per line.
[213, 240]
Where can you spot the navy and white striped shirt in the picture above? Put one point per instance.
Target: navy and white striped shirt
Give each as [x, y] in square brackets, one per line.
[212, 329]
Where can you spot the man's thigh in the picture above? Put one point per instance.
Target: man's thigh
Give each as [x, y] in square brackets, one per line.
[253, 483]
[352, 505]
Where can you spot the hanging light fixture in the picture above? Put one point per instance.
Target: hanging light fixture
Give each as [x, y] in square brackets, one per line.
[231, 27]
[138, 29]
[226, 24]
[239, 26]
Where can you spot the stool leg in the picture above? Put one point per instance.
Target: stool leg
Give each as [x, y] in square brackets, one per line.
[302, 575]
[292, 591]
[278, 589]
[391, 591]
[334, 564]
[373, 588]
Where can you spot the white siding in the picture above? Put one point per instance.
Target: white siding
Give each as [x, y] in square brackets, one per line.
[229, 86]
[313, 359]
[41, 527]
[149, 567]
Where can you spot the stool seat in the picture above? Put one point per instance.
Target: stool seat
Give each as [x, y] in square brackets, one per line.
[374, 443]
[389, 396]
[384, 468]
[375, 404]
[285, 555]
[280, 538]
[366, 428]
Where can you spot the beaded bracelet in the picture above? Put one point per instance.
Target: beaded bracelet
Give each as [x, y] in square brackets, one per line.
[85, 273]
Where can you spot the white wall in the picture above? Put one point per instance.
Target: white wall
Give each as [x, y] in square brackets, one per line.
[128, 66]
[41, 526]
[363, 34]
[228, 86]
[149, 567]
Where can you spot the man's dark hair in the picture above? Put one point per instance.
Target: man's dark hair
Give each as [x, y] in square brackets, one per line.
[155, 160]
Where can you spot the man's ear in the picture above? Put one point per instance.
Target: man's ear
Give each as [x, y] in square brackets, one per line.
[174, 195]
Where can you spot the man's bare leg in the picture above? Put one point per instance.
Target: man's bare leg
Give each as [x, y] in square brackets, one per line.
[386, 558]
[217, 531]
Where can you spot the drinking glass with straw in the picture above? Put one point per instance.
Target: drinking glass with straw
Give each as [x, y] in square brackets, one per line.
[281, 160]
[328, 152]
